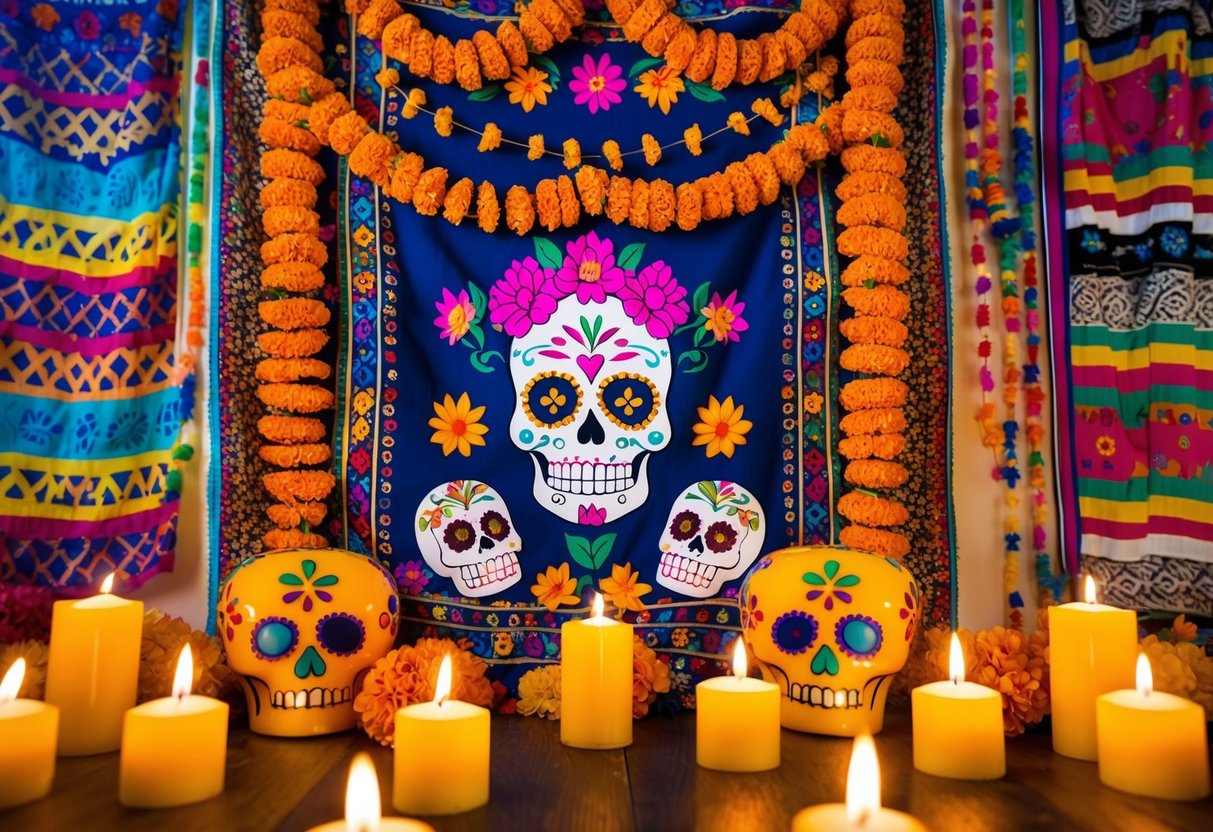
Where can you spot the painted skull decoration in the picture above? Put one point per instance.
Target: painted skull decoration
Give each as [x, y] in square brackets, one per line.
[465, 533]
[830, 626]
[302, 627]
[714, 532]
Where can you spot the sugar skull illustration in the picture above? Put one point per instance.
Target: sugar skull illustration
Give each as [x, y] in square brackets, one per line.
[714, 532]
[465, 533]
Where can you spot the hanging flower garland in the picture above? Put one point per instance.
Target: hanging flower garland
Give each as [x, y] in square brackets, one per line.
[873, 212]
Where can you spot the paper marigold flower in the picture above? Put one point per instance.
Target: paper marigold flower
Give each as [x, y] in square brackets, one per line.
[610, 149]
[430, 191]
[877, 541]
[294, 456]
[703, 58]
[875, 73]
[749, 61]
[662, 205]
[291, 164]
[638, 215]
[876, 473]
[421, 53]
[296, 398]
[397, 36]
[292, 192]
[643, 19]
[658, 38]
[291, 429]
[534, 32]
[535, 147]
[592, 186]
[869, 125]
[407, 675]
[737, 121]
[818, 81]
[488, 211]
[793, 49]
[493, 62]
[720, 427]
[881, 446]
[619, 199]
[293, 277]
[277, 54]
[467, 66]
[690, 204]
[443, 120]
[869, 393]
[287, 111]
[294, 313]
[376, 16]
[570, 205]
[387, 78]
[787, 162]
[490, 139]
[458, 201]
[773, 57]
[297, 344]
[745, 191]
[519, 210]
[652, 150]
[765, 177]
[870, 510]
[294, 248]
[547, 204]
[874, 359]
[681, 49]
[873, 209]
[443, 64]
[800, 26]
[572, 153]
[290, 516]
[539, 691]
[718, 197]
[291, 486]
[412, 104]
[693, 138]
[870, 183]
[280, 370]
[810, 141]
[726, 61]
[308, 9]
[763, 107]
[293, 539]
[867, 239]
[1006, 663]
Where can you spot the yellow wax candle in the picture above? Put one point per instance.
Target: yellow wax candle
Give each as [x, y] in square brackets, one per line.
[862, 811]
[442, 754]
[1091, 651]
[1152, 743]
[596, 682]
[737, 720]
[93, 669]
[27, 742]
[174, 749]
[958, 726]
[362, 810]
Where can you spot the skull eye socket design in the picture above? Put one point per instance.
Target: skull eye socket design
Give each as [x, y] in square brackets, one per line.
[340, 634]
[685, 525]
[551, 399]
[459, 536]
[275, 638]
[794, 632]
[720, 537]
[494, 525]
[858, 636]
[629, 400]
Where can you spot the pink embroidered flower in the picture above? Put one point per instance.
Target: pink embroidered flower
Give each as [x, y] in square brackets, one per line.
[411, 577]
[654, 299]
[589, 270]
[591, 515]
[87, 26]
[597, 83]
[524, 297]
[455, 314]
[723, 318]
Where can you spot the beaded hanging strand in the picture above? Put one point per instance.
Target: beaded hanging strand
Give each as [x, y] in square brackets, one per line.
[1049, 585]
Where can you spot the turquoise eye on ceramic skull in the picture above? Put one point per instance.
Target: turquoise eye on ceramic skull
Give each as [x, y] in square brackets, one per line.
[551, 399]
[858, 636]
[629, 400]
[274, 638]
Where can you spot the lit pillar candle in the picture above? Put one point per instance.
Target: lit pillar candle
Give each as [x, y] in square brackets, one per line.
[737, 720]
[1091, 651]
[27, 742]
[596, 682]
[363, 812]
[958, 726]
[862, 811]
[442, 754]
[1152, 743]
[93, 669]
[174, 749]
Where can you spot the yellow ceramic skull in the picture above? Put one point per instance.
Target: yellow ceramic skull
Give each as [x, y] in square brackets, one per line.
[302, 627]
[830, 626]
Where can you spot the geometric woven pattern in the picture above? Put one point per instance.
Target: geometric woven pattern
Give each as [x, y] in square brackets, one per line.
[59, 309]
[119, 374]
[99, 246]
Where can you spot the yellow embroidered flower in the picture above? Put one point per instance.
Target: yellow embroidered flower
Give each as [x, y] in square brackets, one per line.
[44, 15]
[814, 281]
[528, 87]
[554, 587]
[1106, 445]
[660, 87]
[457, 425]
[721, 427]
[813, 402]
[539, 692]
[624, 589]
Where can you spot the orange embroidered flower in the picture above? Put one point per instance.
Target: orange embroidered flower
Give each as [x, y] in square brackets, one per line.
[720, 427]
[44, 16]
[660, 87]
[624, 589]
[528, 86]
[132, 23]
[457, 425]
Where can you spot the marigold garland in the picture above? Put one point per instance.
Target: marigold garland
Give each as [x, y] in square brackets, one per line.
[293, 539]
[292, 516]
[295, 344]
[865, 446]
[867, 509]
[295, 456]
[290, 429]
[879, 420]
[889, 544]
[279, 370]
[876, 473]
[291, 486]
[296, 398]
[294, 313]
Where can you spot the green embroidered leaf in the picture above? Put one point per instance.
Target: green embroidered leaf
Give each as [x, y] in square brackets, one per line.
[477, 334]
[600, 550]
[702, 337]
[478, 363]
[485, 93]
[825, 662]
[700, 299]
[327, 580]
[289, 579]
[548, 253]
[309, 568]
[579, 550]
[847, 580]
[643, 64]
[582, 583]
[703, 92]
[831, 569]
[629, 258]
[480, 304]
[550, 68]
[697, 359]
[813, 579]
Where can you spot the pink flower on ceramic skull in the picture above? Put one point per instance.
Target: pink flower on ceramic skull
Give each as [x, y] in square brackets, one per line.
[590, 270]
[524, 297]
[597, 83]
[591, 515]
[455, 315]
[653, 299]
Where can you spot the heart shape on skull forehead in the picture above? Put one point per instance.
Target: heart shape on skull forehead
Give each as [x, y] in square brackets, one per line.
[590, 364]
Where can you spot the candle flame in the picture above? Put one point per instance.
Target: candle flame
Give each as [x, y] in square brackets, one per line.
[598, 606]
[1088, 590]
[362, 812]
[1145, 675]
[442, 688]
[741, 667]
[107, 586]
[11, 686]
[956, 660]
[183, 679]
[863, 781]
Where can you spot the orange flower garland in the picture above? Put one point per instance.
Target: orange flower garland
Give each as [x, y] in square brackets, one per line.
[873, 213]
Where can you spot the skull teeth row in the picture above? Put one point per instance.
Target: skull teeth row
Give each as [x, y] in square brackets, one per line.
[824, 697]
[686, 570]
[312, 698]
[590, 477]
[491, 571]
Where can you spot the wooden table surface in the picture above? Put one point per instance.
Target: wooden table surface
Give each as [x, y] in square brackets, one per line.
[653, 786]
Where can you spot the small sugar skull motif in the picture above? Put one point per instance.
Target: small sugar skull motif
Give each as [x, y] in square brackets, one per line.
[831, 626]
[714, 532]
[590, 387]
[465, 533]
[302, 627]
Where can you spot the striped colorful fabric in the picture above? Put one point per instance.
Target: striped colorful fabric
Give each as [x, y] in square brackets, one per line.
[1132, 234]
[91, 394]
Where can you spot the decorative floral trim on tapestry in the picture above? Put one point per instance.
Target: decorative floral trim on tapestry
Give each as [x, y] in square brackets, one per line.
[93, 391]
